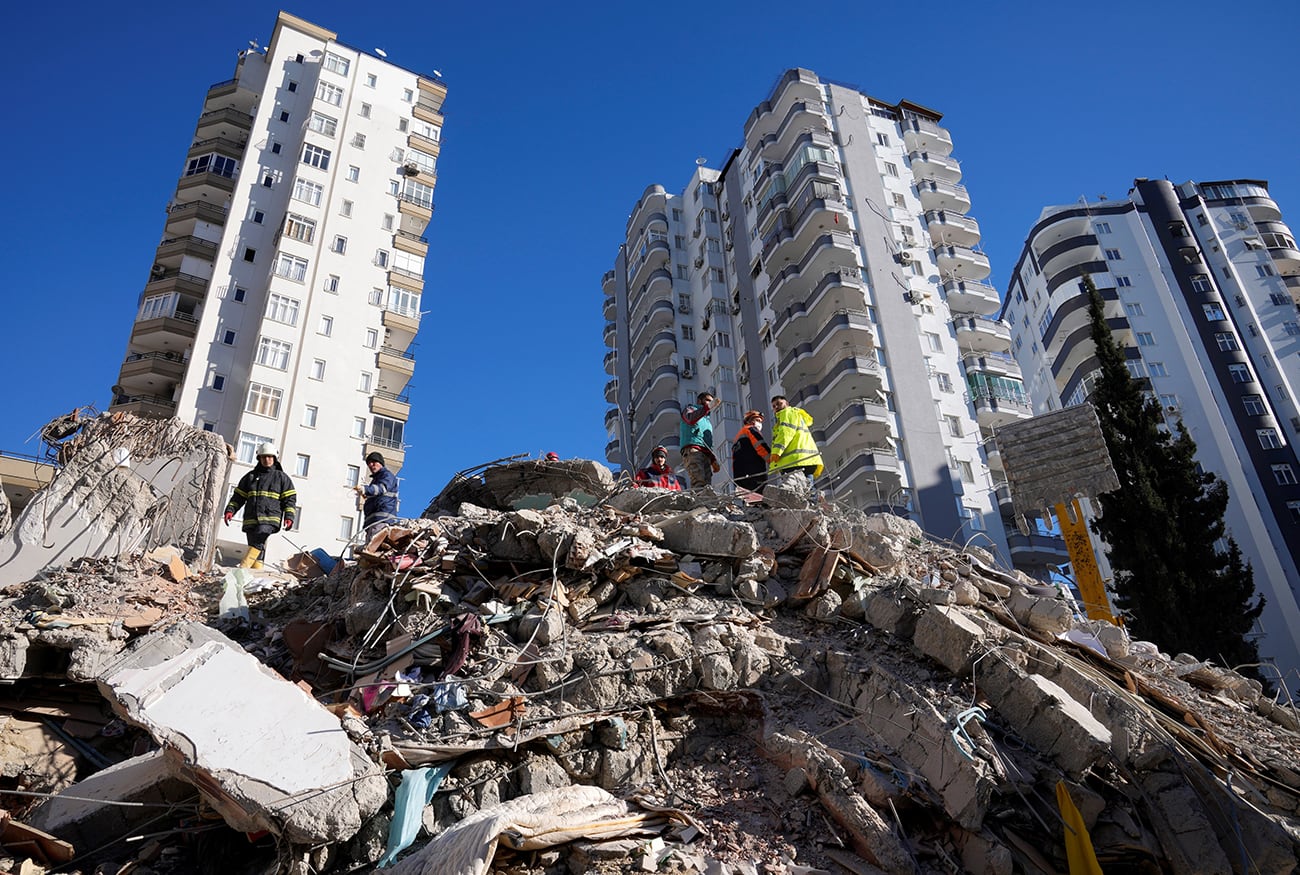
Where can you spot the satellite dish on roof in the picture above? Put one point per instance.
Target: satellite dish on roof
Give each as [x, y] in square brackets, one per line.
[381, 53]
[438, 73]
[701, 161]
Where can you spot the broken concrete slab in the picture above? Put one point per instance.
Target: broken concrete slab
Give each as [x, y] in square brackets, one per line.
[127, 484]
[261, 750]
[710, 534]
[537, 484]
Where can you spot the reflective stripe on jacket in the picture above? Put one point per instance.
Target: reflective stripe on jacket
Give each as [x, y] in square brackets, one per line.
[381, 498]
[267, 496]
[749, 453]
[792, 441]
[664, 479]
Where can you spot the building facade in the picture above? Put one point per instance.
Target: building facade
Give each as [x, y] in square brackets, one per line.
[1200, 283]
[285, 294]
[832, 260]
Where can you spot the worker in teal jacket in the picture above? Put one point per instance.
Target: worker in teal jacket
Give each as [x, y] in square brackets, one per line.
[793, 447]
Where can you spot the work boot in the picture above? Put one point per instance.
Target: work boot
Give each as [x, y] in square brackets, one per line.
[250, 558]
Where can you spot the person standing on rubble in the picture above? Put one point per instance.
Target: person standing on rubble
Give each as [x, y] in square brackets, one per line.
[268, 497]
[380, 493]
[659, 473]
[749, 453]
[793, 447]
[696, 441]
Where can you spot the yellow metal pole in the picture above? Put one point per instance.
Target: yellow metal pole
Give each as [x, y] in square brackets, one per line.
[1087, 577]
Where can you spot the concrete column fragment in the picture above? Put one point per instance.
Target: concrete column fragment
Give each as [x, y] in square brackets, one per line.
[260, 749]
[710, 534]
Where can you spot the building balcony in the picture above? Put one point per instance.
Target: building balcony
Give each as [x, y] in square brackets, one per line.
[1035, 550]
[993, 458]
[415, 244]
[172, 250]
[841, 290]
[859, 424]
[938, 194]
[611, 362]
[428, 110]
[424, 144]
[873, 477]
[405, 279]
[419, 210]
[662, 346]
[226, 122]
[220, 145]
[175, 281]
[222, 89]
[400, 326]
[607, 284]
[982, 335]
[968, 296]
[841, 331]
[828, 254]
[142, 369]
[1069, 252]
[995, 411]
[653, 199]
[391, 404]
[1001, 364]
[611, 335]
[766, 118]
[148, 406]
[659, 386]
[952, 228]
[182, 218]
[611, 391]
[396, 366]
[661, 316]
[802, 117]
[657, 287]
[932, 165]
[609, 309]
[659, 426]
[612, 417]
[1284, 253]
[612, 454]
[807, 218]
[822, 393]
[209, 186]
[959, 262]
[165, 333]
[394, 453]
[1006, 506]
[923, 135]
[657, 254]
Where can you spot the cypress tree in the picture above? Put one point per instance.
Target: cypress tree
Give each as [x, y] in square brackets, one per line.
[1163, 526]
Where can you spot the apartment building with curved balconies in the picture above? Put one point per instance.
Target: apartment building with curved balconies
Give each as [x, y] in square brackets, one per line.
[283, 299]
[1200, 284]
[831, 260]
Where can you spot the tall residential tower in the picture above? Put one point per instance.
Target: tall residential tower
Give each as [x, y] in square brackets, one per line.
[1200, 283]
[285, 294]
[832, 260]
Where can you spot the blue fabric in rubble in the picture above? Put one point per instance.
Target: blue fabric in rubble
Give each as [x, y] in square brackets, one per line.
[417, 789]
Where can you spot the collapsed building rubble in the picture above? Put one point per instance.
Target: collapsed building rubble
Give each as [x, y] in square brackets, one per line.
[550, 672]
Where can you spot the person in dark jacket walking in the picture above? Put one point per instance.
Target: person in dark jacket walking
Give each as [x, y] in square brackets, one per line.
[268, 497]
[749, 454]
[381, 496]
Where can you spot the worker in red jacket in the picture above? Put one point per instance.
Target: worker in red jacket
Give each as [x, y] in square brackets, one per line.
[659, 473]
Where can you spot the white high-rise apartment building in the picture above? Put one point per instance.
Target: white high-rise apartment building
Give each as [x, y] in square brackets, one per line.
[1200, 282]
[285, 294]
[830, 260]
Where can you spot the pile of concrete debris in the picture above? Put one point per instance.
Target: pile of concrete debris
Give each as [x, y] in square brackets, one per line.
[550, 672]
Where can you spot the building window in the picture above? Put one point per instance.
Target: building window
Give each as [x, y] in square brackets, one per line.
[1145, 338]
[291, 267]
[1254, 405]
[315, 156]
[228, 337]
[309, 415]
[1264, 270]
[402, 125]
[899, 200]
[965, 471]
[250, 254]
[1122, 282]
[337, 64]
[258, 217]
[268, 181]
[387, 223]
[1133, 309]
[365, 113]
[381, 258]
[387, 432]
[418, 193]
[326, 326]
[933, 341]
[372, 338]
[300, 228]
[1268, 438]
[274, 353]
[1284, 475]
[1278, 300]
[1213, 312]
[954, 425]
[891, 169]
[1240, 373]
[302, 464]
[882, 139]
[1112, 255]
[1226, 340]
[263, 400]
[284, 115]
[293, 86]
[1169, 402]
[408, 96]
[371, 80]
[248, 444]
[1201, 283]
[317, 369]
[688, 332]
[354, 173]
[345, 528]
[339, 245]
[358, 427]
[1157, 369]
[307, 192]
[329, 93]
[359, 140]
[218, 383]
[345, 209]
[281, 308]
[1101, 227]
[353, 476]
[323, 124]
[364, 381]
[332, 283]
[943, 380]
[238, 295]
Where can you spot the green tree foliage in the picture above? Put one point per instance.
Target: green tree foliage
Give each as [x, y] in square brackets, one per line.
[1163, 524]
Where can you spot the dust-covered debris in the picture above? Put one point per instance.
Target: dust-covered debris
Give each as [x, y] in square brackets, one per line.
[783, 689]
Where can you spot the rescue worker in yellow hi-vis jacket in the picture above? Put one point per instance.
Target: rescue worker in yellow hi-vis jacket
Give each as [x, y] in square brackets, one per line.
[268, 497]
[793, 447]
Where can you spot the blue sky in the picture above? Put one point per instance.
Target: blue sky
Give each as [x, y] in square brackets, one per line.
[558, 116]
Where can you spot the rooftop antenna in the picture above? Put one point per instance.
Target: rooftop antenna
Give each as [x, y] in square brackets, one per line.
[381, 53]
[252, 44]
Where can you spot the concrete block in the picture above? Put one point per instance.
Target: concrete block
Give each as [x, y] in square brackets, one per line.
[790, 524]
[1064, 728]
[710, 534]
[788, 490]
[890, 612]
[949, 638]
[934, 595]
[652, 500]
[539, 483]
[1048, 615]
[260, 749]
[514, 537]
[825, 607]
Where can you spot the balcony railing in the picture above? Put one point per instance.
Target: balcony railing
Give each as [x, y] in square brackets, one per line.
[407, 354]
[407, 312]
[422, 203]
[404, 398]
[184, 317]
[386, 443]
[143, 399]
[164, 356]
[407, 235]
